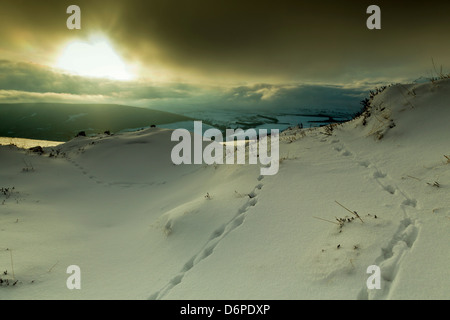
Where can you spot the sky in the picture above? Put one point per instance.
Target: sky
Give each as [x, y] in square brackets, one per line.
[171, 52]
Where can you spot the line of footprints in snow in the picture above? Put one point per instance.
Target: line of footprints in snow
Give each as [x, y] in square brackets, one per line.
[105, 183]
[388, 261]
[402, 240]
[216, 237]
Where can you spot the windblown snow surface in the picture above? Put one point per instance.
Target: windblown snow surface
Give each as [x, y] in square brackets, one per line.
[140, 227]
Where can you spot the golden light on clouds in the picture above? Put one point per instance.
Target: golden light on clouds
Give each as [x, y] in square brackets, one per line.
[230, 42]
[96, 58]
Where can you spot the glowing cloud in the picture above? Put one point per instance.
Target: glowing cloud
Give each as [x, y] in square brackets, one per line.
[96, 59]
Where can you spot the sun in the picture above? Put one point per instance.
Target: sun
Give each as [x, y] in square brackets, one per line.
[96, 58]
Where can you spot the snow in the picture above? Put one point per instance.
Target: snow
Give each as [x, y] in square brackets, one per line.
[28, 143]
[140, 227]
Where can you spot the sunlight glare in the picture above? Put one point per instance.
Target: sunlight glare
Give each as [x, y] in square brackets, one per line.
[97, 59]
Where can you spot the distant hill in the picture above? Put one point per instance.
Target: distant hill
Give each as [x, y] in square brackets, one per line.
[62, 121]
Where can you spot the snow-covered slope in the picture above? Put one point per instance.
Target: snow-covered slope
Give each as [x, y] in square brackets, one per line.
[140, 227]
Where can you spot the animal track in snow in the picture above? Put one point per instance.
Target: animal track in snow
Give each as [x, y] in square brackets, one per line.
[378, 174]
[217, 233]
[410, 202]
[120, 184]
[403, 239]
[342, 150]
[346, 153]
[85, 172]
[390, 189]
[364, 164]
[390, 259]
[216, 237]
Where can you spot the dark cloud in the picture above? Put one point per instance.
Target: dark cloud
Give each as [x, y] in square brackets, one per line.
[294, 97]
[25, 82]
[286, 40]
[37, 78]
[264, 55]
[257, 41]
[27, 77]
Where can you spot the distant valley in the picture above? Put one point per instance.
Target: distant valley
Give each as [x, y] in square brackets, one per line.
[62, 121]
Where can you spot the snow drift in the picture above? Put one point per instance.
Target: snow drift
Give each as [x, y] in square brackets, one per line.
[371, 192]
